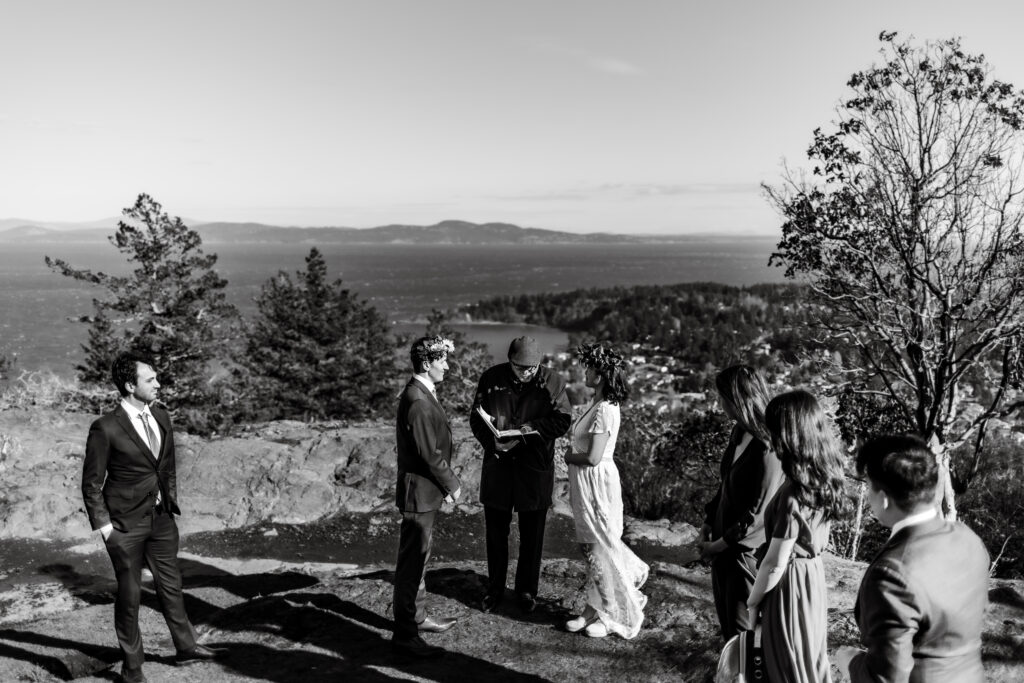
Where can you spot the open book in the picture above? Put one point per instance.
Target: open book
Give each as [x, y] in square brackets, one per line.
[503, 433]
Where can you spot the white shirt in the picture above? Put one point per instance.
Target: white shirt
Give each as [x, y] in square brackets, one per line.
[913, 520]
[133, 415]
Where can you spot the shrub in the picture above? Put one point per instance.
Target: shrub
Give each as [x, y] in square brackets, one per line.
[669, 465]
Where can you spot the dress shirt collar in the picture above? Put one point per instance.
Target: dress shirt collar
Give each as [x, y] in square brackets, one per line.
[425, 381]
[134, 412]
[914, 519]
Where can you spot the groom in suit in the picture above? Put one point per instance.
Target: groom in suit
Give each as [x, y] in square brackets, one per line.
[921, 604]
[425, 480]
[129, 485]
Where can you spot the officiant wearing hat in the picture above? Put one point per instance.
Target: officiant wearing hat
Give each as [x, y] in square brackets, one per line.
[518, 472]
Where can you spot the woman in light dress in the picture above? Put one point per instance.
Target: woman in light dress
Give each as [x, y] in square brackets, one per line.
[789, 590]
[614, 574]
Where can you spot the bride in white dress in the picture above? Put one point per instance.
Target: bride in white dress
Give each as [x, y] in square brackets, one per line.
[614, 574]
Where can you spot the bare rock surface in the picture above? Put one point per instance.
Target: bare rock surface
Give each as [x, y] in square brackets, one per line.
[286, 620]
[284, 472]
[290, 622]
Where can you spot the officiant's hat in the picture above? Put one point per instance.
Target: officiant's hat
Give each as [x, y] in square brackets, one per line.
[524, 351]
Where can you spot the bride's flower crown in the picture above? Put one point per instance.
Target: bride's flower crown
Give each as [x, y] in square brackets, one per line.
[439, 346]
[592, 354]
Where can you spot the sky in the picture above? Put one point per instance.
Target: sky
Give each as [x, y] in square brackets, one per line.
[637, 116]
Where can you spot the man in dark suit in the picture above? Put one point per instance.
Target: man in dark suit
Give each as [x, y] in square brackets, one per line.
[129, 485]
[425, 480]
[518, 473]
[922, 601]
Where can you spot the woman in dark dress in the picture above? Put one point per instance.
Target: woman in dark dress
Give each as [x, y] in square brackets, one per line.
[790, 589]
[734, 523]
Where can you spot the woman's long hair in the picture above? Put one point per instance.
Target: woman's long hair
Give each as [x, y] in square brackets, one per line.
[610, 366]
[745, 389]
[805, 441]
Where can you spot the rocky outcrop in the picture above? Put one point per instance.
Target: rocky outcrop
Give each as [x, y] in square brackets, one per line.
[285, 472]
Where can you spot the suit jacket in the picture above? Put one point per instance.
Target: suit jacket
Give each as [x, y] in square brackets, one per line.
[921, 607]
[749, 481]
[121, 476]
[523, 476]
[424, 445]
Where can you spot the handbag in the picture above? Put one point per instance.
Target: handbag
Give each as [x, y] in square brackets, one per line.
[742, 659]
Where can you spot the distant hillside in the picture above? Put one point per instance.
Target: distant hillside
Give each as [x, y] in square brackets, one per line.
[445, 232]
[13, 231]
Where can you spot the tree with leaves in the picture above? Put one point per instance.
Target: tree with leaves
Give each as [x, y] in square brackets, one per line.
[171, 307]
[316, 351]
[908, 232]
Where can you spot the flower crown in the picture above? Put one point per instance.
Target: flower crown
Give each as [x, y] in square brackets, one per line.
[602, 359]
[439, 346]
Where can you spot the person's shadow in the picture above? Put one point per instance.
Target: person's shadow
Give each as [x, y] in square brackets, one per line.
[324, 622]
[339, 639]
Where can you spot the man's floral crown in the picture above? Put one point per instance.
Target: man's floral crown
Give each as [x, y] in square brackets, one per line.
[436, 347]
[602, 359]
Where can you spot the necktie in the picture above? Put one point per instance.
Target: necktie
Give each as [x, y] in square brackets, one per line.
[153, 443]
[151, 439]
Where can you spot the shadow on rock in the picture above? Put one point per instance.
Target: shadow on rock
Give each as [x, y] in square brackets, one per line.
[77, 659]
[339, 640]
[198, 574]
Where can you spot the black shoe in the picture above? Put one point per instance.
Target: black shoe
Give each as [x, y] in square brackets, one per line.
[415, 647]
[490, 602]
[429, 625]
[199, 653]
[527, 603]
[132, 675]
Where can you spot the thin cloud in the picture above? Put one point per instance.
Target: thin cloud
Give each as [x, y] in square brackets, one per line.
[595, 62]
[627, 191]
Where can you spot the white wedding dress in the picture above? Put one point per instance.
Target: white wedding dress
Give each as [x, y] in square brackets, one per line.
[614, 573]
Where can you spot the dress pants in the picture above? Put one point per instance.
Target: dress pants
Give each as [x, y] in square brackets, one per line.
[153, 540]
[414, 542]
[531, 546]
[732, 578]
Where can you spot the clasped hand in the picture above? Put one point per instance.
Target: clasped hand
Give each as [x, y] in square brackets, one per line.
[708, 548]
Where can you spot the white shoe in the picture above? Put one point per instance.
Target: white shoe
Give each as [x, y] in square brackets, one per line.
[577, 624]
[596, 629]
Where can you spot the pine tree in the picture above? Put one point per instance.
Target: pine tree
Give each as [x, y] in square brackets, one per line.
[171, 307]
[316, 351]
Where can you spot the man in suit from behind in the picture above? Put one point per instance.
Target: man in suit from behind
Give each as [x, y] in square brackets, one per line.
[425, 480]
[129, 485]
[921, 604]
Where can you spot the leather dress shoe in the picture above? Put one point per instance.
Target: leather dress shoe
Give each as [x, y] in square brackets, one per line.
[490, 602]
[415, 647]
[527, 603]
[199, 653]
[132, 675]
[429, 625]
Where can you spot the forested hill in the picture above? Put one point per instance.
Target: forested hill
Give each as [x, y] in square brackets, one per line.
[697, 323]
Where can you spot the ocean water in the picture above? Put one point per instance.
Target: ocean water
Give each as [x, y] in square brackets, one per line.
[404, 282]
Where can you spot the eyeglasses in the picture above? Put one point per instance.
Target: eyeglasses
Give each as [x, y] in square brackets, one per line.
[523, 368]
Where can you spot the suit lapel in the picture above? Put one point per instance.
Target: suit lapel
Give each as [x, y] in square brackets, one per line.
[165, 430]
[415, 384]
[129, 428]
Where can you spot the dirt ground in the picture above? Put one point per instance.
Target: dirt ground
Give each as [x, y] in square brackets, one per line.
[330, 621]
